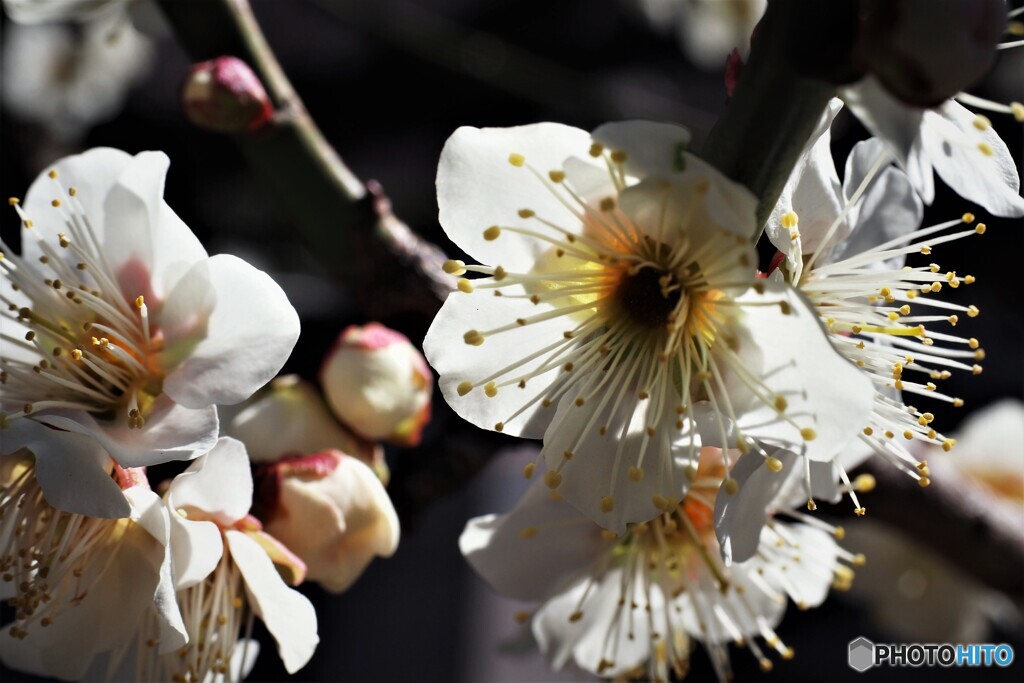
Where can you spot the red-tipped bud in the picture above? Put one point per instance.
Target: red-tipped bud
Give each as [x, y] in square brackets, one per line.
[225, 96]
[378, 384]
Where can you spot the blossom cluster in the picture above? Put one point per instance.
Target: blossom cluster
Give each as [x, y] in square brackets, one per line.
[688, 403]
[121, 339]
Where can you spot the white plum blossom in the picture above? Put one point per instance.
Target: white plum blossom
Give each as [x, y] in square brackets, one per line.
[708, 30]
[848, 260]
[332, 511]
[621, 318]
[118, 325]
[67, 80]
[957, 144]
[225, 574]
[83, 588]
[635, 605]
[378, 384]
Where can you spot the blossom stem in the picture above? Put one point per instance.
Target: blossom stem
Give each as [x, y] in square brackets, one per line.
[329, 204]
[799, 51]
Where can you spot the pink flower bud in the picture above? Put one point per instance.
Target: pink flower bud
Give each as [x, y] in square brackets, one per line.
[225, 96]
[926, 51]
[331, 511]
[379, 384]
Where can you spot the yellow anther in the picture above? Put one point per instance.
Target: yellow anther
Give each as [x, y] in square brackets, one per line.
[608, 535]
[662, 503]
[619, 157]
[552, 479]
[576, 616]
[528, 532]
[596, 149]
[923, 482]
[839, 532]
[454, 267]
[556, 176]
[885, 291]
[982, 122]
[491, 233]
[789, 220]
[465, 286]
[529, 469]
[986, 149]
[979, 354]
[464, 388]
[976, 370]
[868, 431]
[980, 228]
[607, 504]
[773, 463]
[1018, 110]
[473, 338]
[860, 512]
[957, 403]
[580, 401]
[808, 434]
[972, 311]
[635, 474]
[926, 250]
[908, 435]
[491, 389]
[781, 403]
[499, 426]
[526, 213]
[55, 203]
[567, 455]
[731, 486]
[607, 204]
[947, 444]
[972, 342]
[516, 160]
[812, 506]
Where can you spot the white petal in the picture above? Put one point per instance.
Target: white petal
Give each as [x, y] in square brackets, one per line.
[991, 440]
[812, 191]
[36, 11]
[952, 144]
[793, 357]
[898, 125]
[811, 575]
[249, 336]
[586, 639]
[149, 511]
[288, 615]
[72, 470]
[92, 173]
[219, 483]
[651, 148]
[528, 552]
[457, 362]
[477, 187]
[888, 209]
[171, 432]
[196, 549]
[740, 516]
[595, 472]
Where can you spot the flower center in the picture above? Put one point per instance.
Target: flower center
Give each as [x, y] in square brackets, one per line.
[649, 296]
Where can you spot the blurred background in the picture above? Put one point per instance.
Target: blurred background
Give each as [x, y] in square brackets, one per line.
[388, 81]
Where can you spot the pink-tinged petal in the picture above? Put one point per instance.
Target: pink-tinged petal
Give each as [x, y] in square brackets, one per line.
[72, 469]
[527, 553]
[144, 237]
[218, 483]
[595, 478]
[975, 164]
[289, 565]
[249, 336]
[149, 511]
[651, 148]
[171, 432]
[196, 549]
[92, 173]
[288, 615]
[457, 362]
[828, 399]
[477, 187]
[740, 516]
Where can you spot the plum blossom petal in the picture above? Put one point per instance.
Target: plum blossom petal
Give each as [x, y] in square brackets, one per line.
[218, 483]
[288, 615]
[475, 162]
[73, 472]
[250, 334]
[651, 148]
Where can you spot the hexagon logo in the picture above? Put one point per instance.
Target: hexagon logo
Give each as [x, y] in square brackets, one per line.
[862, 654]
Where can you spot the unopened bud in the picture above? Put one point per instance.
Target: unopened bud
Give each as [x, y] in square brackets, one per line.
[926, 51]
[378, 384]
[225, 96]
[331, 511]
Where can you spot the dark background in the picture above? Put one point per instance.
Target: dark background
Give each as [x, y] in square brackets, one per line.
[388, 81]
